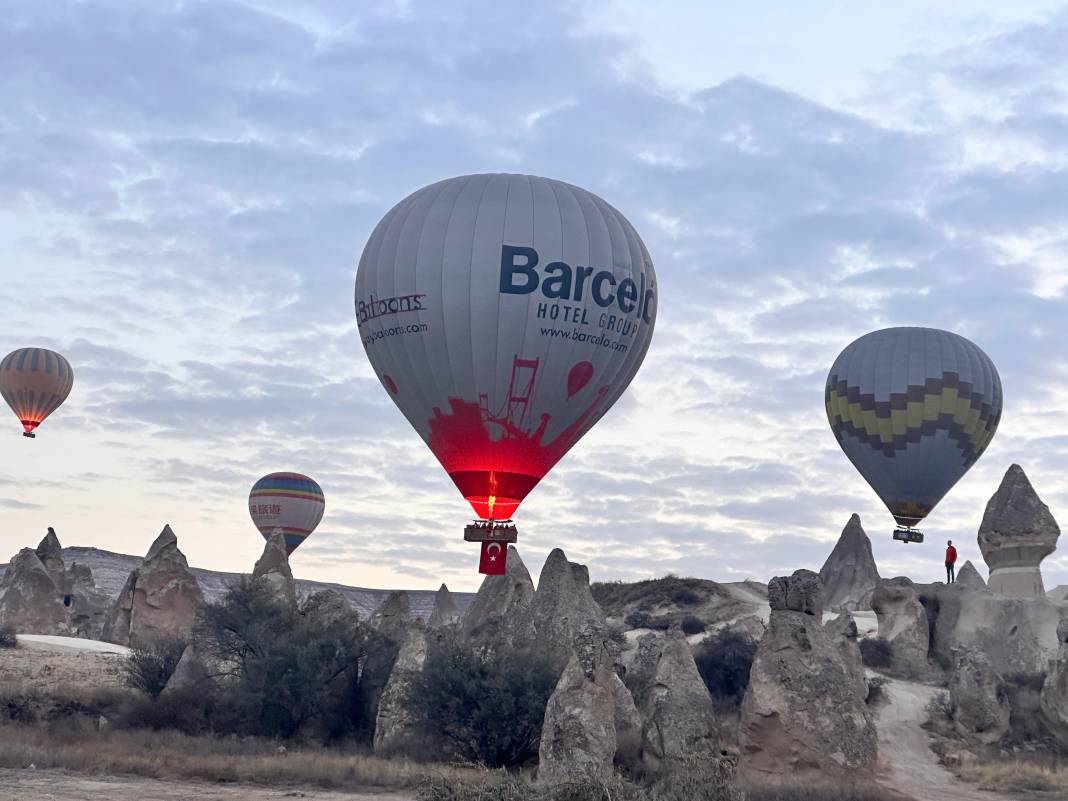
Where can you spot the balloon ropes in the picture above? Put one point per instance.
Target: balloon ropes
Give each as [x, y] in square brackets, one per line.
[913, 409]
[34, 382]
[504, 315]
[291, 502]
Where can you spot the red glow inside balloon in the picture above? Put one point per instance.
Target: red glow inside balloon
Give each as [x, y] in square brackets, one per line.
[578, 377]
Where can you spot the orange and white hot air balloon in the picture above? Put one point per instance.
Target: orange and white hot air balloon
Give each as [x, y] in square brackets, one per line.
[34, 382]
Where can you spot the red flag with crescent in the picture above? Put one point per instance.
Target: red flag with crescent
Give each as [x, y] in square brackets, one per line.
[492, 561]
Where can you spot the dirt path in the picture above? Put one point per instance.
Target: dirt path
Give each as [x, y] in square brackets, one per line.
[58, 785]
[909, 764]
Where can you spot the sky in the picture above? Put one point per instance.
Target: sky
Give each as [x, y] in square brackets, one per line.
[186, 187]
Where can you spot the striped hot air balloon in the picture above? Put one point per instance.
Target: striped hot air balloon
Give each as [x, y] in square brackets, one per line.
[913, 409]
[34, 382]
[289, 501]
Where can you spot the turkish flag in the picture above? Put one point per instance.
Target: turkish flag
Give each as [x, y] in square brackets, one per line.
[494, 555]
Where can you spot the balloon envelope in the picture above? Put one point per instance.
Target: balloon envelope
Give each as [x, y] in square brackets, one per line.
[34, 382]
[504, 314]
[289, 501]
[913, 409]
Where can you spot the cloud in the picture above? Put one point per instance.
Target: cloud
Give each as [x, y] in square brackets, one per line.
[185, 191]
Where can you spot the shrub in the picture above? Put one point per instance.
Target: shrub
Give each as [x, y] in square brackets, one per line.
[284, 671]
[651, 593]
[876, 690]
[724, 661]
[692, 625]
[876, 652]
[8, 639]
[488, 709]
[150, 666]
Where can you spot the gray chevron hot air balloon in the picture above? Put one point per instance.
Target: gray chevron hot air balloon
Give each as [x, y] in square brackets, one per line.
[913, 409]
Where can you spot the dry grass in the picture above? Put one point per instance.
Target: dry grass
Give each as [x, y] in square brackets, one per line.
[169, 755]
[1016, 775]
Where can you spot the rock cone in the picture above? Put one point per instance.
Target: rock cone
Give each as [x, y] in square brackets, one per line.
[273, 568]
[968, 576]
[849, 575]
[445, 611]
[1016, 534]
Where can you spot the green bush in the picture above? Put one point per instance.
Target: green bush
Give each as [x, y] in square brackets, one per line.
[876, 652]
[8, 639]
[724, 661]
[283, 671]
[150, 666]
[487, 708]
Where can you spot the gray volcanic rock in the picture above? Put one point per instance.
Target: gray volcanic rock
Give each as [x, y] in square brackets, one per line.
[1016, 534]
[1054, 703]
[968, 576]
[1017, 635]
[978, 700]
[501, 610]
[803, 711]
[327, 605]
[445, 611]
[677, 712]
[88, 608]
[190, 673]
[50, 552]
[401, 724]
[801, 592]
[30, 601]
[563, 610]
[390, 627]
[160, 599]
[903, 623]
[628, 726]
[578, 738]
[849, 575]
[273, 568]
[844, 634]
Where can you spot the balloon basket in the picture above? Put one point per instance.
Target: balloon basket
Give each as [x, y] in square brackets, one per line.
[29, 434]
[907, 535]
[491, 531]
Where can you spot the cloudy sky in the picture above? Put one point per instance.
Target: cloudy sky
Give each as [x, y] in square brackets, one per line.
[185, 189]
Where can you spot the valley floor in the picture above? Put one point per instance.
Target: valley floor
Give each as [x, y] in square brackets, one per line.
[52, 785]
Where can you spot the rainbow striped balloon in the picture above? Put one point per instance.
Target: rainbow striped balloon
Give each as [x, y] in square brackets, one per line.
[289, 501]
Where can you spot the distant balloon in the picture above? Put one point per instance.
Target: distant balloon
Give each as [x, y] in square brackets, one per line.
[289, 501]
[913, 409]
[578, 377]
[491, 301]
[34, 382]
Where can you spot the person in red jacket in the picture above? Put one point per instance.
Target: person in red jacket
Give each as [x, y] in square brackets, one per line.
[951, 560]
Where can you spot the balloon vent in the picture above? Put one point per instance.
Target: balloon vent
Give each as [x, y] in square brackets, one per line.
[908, 535]
[491, 531]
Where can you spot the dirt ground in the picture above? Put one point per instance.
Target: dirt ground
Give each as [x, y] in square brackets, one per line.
[45, 666]
[57, 785]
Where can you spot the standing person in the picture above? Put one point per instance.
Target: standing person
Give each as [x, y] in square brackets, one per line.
[951, 560]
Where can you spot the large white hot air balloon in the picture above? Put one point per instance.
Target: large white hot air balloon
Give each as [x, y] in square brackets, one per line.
[504, 314]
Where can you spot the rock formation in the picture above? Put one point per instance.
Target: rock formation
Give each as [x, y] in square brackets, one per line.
[1055, 690]
[160, 598]
[38, 595]
[843, 632]
[273, 568]
[190, 673]
[903, 624]
[1016, 534]
[501, 612]
[803, 712]
[445, 612]
[565, 615]
[968, 576]
[400, 724]
[677, 712]
[978, 700]
[578, 736]
[849, 575]
[389, 627]
[327, 605]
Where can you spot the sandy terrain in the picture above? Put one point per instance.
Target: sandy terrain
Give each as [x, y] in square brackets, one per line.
[909, 764]
[37, 662]
[58, 785]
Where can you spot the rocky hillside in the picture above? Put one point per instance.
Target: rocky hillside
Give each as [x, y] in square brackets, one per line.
[672, 601]
[110, 571]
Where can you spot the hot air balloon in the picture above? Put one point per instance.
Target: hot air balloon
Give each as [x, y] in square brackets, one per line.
[34, 382]
[289, 501]
[504, 314]
[913, 409]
